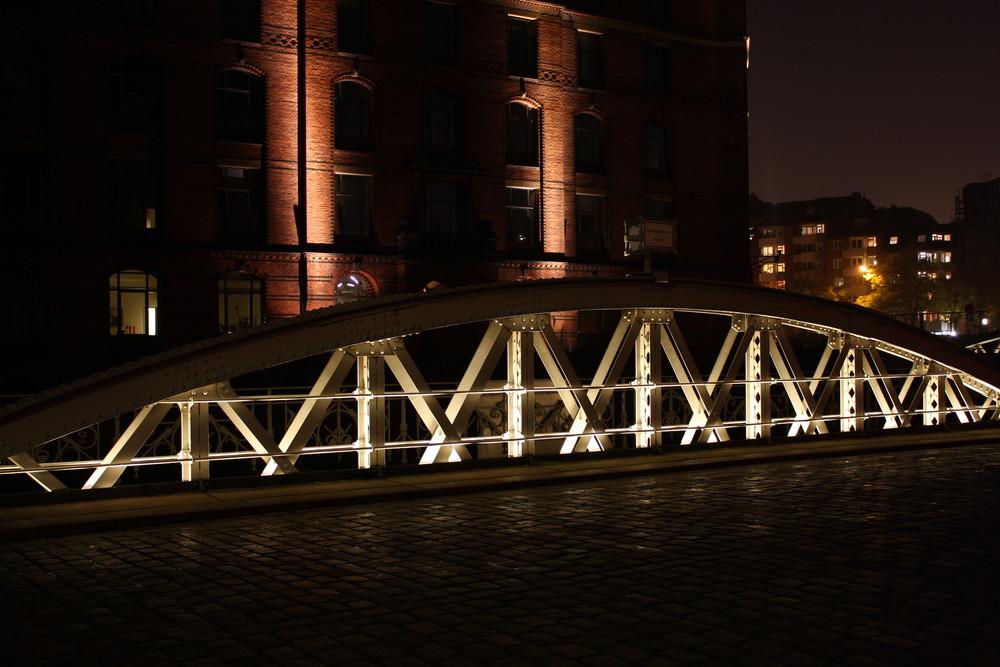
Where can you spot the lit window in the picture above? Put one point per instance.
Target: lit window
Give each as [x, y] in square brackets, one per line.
[522, 134]
[353, 119]
[354, 211]
[838, 282]
[893, 240]
[442, 31]
[133, 303]
[522, 47]
[241, 301]
[872, 242]
[781, 284]
[655, 149]
[767, 251]
[354, 26]
[767, 268]
[779, 267]
[589, 149]
[940, 237]
[241, 106]
[590, 60]
[240, 20]
[241, 203]
[135, 194]
[589, 224]
[440, 121]
[351, 288]
[522, 215]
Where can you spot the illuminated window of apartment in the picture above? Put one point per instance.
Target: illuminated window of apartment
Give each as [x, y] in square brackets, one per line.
[134, 92]
[241, 203]
[781, 284]
[871, 242]
[522, 217]
[522, 134]
[767, 251]
[354, 204]
[443, 206]
[589, 224]
[351, 288]
[812, 230]
[522, 47]
[656, 209]
[590, 59]
[354, 26]
[133, 303]
[655, 149]
[767, 268]
[241, 301]
[893, 240]
[240, 20]
[657, 69]
[838, 282]
[442, 32]
[589, 144]
[441, 121]
[241, 106]
[940, 237]
[353, 117]
[135, 194]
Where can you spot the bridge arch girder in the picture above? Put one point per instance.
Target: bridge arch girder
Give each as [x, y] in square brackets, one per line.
[176, 373]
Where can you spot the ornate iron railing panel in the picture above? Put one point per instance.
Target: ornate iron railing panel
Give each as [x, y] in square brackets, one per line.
[725, 363]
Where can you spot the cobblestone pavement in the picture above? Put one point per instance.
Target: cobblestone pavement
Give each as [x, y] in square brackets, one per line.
[877, 559]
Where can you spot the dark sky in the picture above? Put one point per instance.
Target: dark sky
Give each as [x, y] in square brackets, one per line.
[897, 99]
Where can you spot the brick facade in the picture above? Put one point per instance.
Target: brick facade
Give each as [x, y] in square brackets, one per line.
[111, 91]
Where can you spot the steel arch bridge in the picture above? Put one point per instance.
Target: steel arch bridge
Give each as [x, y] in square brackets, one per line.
[679, 363]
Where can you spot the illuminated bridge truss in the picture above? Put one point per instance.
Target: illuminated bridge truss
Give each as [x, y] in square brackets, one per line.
[679, 364]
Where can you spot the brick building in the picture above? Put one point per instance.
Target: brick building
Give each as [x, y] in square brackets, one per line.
[184, 168]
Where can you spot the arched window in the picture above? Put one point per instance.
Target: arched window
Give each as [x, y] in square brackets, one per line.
[589, 150]
[241, 106]
[351, 288]
[353, 117]
[241, 301]
[133, 303]
[522, 134]
[134, 92]
[655, 149]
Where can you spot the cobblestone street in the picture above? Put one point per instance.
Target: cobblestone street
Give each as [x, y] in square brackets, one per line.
[876, 559]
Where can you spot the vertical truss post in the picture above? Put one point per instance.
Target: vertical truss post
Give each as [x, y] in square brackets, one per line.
[194, 441]
[757, 365]
[520, 388]
[933, 395]
[370, 395]
[648, 377]
[851, 389]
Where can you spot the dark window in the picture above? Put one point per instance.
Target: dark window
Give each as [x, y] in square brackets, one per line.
[522, 216]
[657, 69]
[655, 150]
[590, 60]
[134, 92]
[133, 303]
[442, 32]
[353, 119]
[135, 12]
[522, 47]
[241, 106]
[657, 209]
[354, 26]
[23, 193]
[240, 20]
[241, 301]
[589, 224]
[522, 134]
[589, 150]
[241, 203]
[443, 206]
[135, 194]
[354, 209]
[440, 121]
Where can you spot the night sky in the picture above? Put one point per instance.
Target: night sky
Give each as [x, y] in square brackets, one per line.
[897, 99]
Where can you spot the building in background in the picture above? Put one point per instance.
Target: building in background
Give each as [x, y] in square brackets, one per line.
[977, 214]
[180, 169]
[845, 248]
